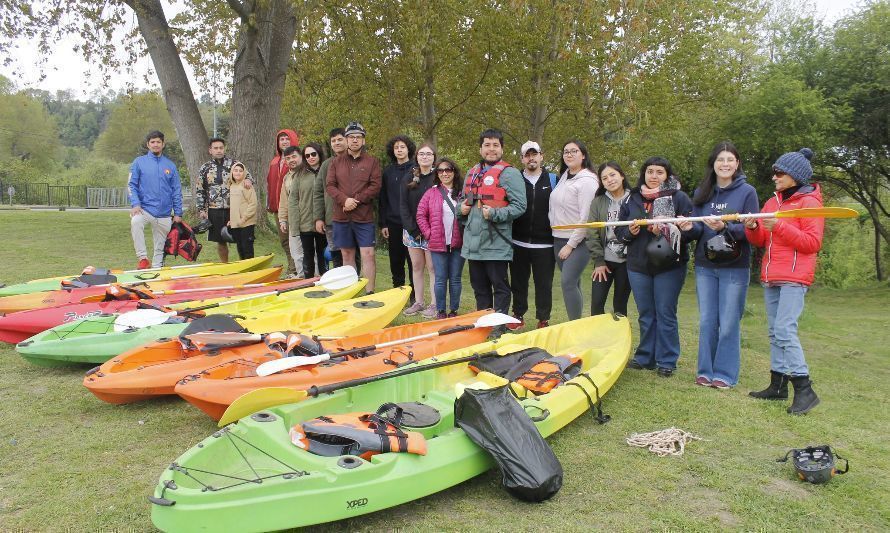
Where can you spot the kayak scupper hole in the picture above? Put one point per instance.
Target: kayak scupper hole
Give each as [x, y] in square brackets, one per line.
[349, 462]
[263, 417]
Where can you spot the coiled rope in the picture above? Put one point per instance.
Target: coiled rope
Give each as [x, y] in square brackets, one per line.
[671, 441]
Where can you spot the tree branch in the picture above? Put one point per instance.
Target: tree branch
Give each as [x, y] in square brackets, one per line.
[240, 9]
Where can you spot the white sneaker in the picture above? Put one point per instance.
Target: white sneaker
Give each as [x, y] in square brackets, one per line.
[415, 308]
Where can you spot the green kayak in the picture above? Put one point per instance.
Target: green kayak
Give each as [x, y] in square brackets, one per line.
[94, 339]
[249, 476]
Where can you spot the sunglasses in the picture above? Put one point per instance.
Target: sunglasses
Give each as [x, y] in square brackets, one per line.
[311, 154]
[445, 170]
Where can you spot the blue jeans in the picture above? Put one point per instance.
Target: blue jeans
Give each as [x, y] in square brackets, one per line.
[721, 296]
[656, 298]
[783, 307]
[448, 268]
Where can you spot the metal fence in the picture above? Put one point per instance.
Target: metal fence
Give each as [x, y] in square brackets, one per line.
[24, 193]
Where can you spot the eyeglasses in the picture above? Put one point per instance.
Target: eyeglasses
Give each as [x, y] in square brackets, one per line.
[311, 154]
[425, 154]
[571, 152]
[354, 137]
[448, 170]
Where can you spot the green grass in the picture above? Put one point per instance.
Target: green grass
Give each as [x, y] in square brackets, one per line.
[70, 461]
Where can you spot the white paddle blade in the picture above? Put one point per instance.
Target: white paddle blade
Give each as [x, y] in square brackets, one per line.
[286, 363]
[140, 318]
[338, 278]
[495, 319]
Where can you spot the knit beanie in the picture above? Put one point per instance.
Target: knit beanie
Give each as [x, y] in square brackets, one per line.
[797, 165]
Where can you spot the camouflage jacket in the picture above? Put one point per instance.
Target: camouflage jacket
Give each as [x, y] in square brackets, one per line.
[214, 177]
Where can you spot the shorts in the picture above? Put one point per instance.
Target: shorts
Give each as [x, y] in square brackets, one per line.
[218, 218]
[411, 242]
[354, 234]
[329, 235]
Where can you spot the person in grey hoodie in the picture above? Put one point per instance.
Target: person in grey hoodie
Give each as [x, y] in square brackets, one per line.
[722, 265]
[607, 252]
[570, 204]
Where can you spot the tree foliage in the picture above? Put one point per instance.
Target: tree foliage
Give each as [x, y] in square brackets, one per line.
[131, 118]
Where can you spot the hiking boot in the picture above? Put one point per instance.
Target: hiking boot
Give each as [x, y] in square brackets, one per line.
[804, 396]
[720, 384]
[515, 327]
[702, 381]
[665, 372]
[496, 332]
[777, 390]
[415, 308]
[429, 312]
[143, 264]
[441, 315]
[634, 365]
[543, 324]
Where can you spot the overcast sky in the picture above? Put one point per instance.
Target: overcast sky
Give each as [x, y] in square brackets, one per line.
[67, 70]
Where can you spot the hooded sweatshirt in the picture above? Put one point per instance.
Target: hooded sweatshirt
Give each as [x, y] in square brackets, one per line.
[738, 197]
[394, 175]
[277, 170]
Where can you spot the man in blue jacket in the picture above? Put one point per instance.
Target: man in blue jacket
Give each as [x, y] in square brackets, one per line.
[155, 191]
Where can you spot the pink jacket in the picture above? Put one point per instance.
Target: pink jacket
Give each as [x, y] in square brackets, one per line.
[429, 220]
[792, 246]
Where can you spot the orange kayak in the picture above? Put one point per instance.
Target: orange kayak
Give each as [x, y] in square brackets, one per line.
[154, 369]
[216, 387]
[38, 300]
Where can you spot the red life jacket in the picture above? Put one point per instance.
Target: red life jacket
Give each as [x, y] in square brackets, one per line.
[533, 368]
[361, 434]
[486, 187]
[181, 241]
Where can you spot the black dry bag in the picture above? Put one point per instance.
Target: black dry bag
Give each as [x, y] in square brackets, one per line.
[494, 420]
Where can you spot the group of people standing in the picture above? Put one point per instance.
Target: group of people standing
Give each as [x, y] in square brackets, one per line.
[500, 219]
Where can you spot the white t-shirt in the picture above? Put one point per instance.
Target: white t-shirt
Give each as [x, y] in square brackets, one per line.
[448, 218]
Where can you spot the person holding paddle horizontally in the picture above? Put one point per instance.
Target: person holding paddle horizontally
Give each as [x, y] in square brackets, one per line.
[787, 271]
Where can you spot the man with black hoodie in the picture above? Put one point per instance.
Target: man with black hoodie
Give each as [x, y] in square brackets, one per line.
[533, 240]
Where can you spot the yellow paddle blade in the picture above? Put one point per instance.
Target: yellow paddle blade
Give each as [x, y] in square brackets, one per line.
[256, 400]
[589, 225]
[819, 212]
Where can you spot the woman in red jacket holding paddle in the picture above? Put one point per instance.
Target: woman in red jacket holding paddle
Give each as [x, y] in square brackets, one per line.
[787, 271]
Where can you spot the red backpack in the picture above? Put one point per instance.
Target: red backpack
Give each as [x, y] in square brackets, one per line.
[181, 241]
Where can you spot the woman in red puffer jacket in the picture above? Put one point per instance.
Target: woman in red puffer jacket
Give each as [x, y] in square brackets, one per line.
[438, 222]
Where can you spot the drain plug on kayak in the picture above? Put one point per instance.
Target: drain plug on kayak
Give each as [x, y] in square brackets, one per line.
[349, 462]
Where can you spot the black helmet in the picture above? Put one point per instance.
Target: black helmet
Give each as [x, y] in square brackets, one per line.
[815, 463]
[660, 253]
[203, 226]
[226, 235]
[355, 128]
[722, 248]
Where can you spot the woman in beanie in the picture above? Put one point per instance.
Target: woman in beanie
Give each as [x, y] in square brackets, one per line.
[787, 271]
[722, 265]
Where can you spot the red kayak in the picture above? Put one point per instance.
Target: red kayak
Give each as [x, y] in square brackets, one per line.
[17, 327]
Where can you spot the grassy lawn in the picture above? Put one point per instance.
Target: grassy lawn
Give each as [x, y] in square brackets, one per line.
[70, 461]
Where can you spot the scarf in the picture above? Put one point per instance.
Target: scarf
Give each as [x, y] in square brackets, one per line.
[660, 204]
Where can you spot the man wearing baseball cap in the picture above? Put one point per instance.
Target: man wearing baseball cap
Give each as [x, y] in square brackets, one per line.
[533, 240]
[353, 181]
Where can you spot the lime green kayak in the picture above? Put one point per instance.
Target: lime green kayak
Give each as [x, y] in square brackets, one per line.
[249, 476]
[150, 274]
[94, 340]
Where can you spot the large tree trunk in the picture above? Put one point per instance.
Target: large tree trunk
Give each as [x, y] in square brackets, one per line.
[175, 84]
[542, 73]
[265, 44]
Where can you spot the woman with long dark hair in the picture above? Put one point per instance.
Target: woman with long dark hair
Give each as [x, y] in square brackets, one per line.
[400, 150]
[570, 204]
[722, 265]
[656, 263]
[413, 189]
[607, 252]
[440, 226]
[301, 219]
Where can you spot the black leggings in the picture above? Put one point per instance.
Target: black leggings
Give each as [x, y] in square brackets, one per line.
[313, 250]
[600, 290]
[243, 241]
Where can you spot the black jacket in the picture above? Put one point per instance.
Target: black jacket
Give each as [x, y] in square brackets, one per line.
[632, 209]
[394, 175]
[533, 226]
[410, 199]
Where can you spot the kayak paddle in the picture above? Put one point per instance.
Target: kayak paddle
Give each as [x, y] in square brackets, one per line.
[337, 278]
[258, 399]
[806, 212]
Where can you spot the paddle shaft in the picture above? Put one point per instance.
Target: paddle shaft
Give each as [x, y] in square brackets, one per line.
[246, 298]
[820, 212]
[205, 289]
[316, 390]
[446, 331]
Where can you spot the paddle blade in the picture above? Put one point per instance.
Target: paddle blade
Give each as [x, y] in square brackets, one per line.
[819, 212]
[588, 225]
[140, 318]
[259, 399]
[338, 278]
[286, 363]
[202, 339]
[495, 319]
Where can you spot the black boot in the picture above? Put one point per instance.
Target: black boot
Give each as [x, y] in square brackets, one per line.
[804, 396]
[777, 390]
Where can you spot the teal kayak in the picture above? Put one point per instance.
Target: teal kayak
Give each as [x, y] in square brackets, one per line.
[251, 476]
